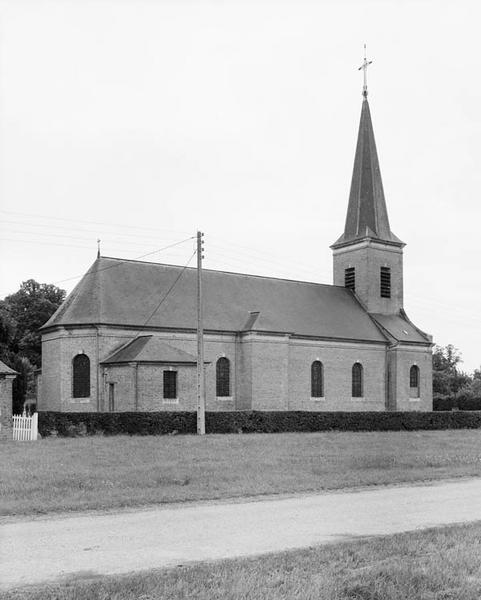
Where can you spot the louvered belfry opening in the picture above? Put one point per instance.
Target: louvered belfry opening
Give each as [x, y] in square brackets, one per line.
[385, 282]
[350, 278]
[222, 382]
[81, 376]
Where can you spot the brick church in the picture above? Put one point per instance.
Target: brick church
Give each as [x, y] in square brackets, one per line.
[270, 344]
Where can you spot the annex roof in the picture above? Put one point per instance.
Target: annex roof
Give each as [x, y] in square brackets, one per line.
[127, 293]
[367, 213]
[148, 348]
[401, 329]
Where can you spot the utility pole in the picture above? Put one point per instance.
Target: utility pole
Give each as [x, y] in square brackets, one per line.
[200, 341]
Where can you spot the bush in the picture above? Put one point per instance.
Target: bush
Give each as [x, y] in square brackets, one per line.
[162, 423]
[460, 402]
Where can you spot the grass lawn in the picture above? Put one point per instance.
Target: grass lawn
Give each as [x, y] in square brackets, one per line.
[66, 474]
[436, 564]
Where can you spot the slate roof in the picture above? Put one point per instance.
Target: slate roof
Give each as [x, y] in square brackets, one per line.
[126, 292]
[401, 329]
[367, 212]
[148, 348]
[4, 370]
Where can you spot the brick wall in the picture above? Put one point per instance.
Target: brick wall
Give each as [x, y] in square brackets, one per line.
[244, 374]
[337, 359]
[6, 406]
[268, 372]
[403, 358]
[123, 380]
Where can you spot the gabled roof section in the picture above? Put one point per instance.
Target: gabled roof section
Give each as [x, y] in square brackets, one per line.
[148, 348]
[126, 293]
[366, 214]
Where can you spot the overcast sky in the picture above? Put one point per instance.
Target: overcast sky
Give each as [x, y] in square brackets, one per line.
[139, 122]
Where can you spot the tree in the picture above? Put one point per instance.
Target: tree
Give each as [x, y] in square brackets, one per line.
[21, 316]
[30, 308]
[448, 380]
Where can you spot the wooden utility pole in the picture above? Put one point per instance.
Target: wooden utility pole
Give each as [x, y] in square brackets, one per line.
[200, 341]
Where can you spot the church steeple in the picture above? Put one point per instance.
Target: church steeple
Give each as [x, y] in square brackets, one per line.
[366, 212]
[368, 256]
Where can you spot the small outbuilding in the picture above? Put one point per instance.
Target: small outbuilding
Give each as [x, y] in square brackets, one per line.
[7, 375]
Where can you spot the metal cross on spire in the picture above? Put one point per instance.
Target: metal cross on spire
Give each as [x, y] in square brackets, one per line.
[364, 67]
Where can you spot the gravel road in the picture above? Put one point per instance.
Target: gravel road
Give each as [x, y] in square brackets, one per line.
[49, 548]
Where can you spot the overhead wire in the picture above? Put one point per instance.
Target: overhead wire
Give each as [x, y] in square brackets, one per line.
[107, 240]
[40, 229]
[170, 289]
[88, 222]
[120, 262]
[232, 250]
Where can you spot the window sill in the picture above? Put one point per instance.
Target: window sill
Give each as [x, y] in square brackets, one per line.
[317, 399]
[414, 399]
[357, 398]
[170, 401]
[80, 400]
[224, 398]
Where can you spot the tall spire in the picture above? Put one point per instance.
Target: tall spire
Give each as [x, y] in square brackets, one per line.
[366, 213]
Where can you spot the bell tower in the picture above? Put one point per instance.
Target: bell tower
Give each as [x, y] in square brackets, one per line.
[368, 257]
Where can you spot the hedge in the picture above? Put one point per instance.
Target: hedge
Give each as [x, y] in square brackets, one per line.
[460, 403]
[162, 423]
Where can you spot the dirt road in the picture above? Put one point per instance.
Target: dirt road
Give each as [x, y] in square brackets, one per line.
[49, 548]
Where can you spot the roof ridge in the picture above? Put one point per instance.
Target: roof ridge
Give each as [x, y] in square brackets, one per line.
[220, 271]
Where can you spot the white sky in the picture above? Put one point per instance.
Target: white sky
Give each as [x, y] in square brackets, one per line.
[140, 122]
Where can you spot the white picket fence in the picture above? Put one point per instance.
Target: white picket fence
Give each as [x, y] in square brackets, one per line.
[25, 429]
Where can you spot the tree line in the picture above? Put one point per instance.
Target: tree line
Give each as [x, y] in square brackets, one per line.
[449, 381]
[21, 316]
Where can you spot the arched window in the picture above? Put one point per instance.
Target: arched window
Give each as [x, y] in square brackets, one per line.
[414, 382]
[317, 379]
[81, 376]
[357, 381]
[222, 379]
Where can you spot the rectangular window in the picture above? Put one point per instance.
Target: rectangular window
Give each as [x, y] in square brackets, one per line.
[170, 384]
[350, 278]
[385, 282]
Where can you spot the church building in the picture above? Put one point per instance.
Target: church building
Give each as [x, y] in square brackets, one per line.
[270, 343]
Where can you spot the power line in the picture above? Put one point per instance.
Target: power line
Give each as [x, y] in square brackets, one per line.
[279, 263]
[47, 217]
[113, 241]
[42, 243]
[422, 302]
[170, 289]
[121, 262]
[164, 298]
[67, 229]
